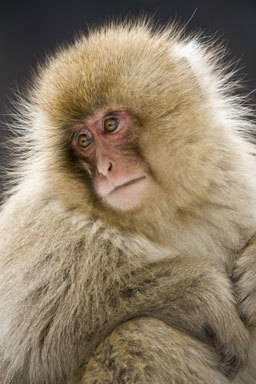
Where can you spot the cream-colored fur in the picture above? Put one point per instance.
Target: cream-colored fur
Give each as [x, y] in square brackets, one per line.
[73, 269]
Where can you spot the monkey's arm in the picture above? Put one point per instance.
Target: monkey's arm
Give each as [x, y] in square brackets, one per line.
[192, 295]
[147, 351]
[244, 279]
[65, 284]
[60, 337]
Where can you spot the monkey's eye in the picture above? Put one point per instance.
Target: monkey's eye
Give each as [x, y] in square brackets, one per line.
[111, 124]
[84, 140]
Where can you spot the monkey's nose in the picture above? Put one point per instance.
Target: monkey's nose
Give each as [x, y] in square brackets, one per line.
[105, 167]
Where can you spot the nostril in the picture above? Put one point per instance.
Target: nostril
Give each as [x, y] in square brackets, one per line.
[110, 167]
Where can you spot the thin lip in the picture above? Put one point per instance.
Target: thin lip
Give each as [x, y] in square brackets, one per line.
[127, 183]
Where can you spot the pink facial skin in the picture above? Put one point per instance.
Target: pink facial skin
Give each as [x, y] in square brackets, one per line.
[120, 180]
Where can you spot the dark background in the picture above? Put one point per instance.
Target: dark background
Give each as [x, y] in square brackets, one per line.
[31, 29]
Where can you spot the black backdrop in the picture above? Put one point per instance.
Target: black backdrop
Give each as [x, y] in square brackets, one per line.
[30, 29]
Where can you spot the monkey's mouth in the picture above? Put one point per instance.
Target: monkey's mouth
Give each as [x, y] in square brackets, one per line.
[128, 183]
[128, 195]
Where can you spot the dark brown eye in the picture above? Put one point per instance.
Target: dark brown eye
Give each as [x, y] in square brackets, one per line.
[111, 124]
[84, 140]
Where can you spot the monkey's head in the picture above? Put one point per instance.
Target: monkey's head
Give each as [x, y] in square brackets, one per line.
[124, 122]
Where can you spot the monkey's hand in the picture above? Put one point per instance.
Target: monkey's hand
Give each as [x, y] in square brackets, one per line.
[244, 279]
[194, 296]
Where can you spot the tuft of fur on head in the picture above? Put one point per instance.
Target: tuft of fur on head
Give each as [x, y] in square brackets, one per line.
[178, 88]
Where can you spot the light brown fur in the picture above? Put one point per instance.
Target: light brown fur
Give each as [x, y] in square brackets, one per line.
[73, 269]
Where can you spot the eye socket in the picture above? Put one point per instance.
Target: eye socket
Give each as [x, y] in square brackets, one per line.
[84, 140]
[111, 124]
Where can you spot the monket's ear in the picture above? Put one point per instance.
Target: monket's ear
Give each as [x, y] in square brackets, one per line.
[190, 75]
[196, 65]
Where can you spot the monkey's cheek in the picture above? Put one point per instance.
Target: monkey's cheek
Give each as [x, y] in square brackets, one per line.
[128, 197]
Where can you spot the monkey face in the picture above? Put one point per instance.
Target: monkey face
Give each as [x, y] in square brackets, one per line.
[103, 146]
[133, 119]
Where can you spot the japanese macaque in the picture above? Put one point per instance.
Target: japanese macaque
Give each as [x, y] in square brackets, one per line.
[133, 202]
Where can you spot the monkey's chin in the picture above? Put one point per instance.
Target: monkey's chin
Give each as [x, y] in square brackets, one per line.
[129, 195]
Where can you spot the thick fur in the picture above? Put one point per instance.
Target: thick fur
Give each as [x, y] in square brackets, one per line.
[126, 357]
[73, 269]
